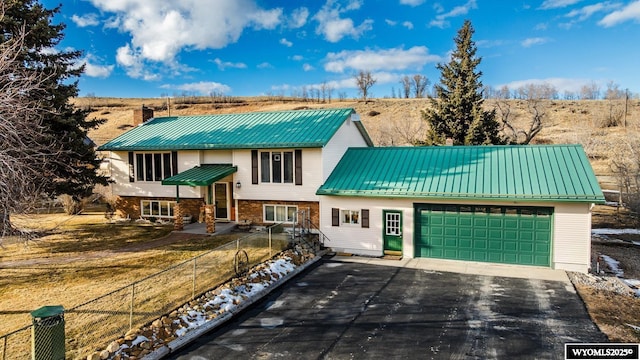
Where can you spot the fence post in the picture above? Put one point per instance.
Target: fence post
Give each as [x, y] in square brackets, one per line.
[270, 247]
[4, 348]
[133, 296]
[193, 290]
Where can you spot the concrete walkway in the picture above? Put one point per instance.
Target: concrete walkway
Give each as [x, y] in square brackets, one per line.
[201, 228]
[466, 267]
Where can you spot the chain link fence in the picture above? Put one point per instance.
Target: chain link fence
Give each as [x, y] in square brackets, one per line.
[91, 326]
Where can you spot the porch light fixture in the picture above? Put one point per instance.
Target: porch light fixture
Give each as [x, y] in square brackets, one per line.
[238, 185]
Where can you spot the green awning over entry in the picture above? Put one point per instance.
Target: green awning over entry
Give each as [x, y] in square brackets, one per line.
[203, 175]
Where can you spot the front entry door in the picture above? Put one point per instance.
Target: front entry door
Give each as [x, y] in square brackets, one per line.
[220, 190]
[392, 232]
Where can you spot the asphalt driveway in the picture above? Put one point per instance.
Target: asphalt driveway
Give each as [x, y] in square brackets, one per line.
[346, 310]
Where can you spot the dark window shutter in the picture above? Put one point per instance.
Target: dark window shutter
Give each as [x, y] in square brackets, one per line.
[174, 163]
[132, 175]
[335, 217]
[298, 161]
[254, 166]
[364, 217]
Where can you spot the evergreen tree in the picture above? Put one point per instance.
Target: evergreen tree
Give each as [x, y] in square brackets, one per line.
[72, 161]
[456, 110]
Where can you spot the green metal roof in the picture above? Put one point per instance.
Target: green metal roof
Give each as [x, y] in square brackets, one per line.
[258, 130]
[203, 175]
[522, 173]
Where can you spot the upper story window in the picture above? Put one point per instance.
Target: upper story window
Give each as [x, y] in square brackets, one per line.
[277, 166]
[152, 166]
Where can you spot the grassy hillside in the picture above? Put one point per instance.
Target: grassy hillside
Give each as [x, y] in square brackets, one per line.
[399, 121]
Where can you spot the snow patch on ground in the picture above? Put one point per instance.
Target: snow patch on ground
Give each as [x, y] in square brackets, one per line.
[614, 265]
[615, 231]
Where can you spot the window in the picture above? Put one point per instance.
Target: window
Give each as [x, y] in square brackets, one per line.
[276, 166]
[157, 208]
[280, 213]
[350, 216]
[154, 166]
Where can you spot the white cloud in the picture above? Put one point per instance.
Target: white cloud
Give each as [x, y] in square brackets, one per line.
[411, 2]
[202, 87]
[299, 18]
[407, 24]
[297, 57]
[390, 22]
[629, 12]
[85, 20]
[265, 65]
[587, 11]
[161, 29]
[222, 65]
[555, 4]
[386, 59]
[333, 27]
[541, 26]
[134, 64]
[441, 19]
[534, 41]
[286, 42]
[92, 69]
[307, 67]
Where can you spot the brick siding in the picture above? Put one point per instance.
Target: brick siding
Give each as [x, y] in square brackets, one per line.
[130, 205]
[252, 210]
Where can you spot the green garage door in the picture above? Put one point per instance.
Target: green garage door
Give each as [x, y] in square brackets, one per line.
[500, 234]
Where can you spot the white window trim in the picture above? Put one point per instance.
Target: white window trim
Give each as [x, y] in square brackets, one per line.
[275, 220]
[153, 171]
[282, 167]
[161, 203]
[351, 212]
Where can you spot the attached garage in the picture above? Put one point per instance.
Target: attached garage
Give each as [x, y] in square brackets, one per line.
[501, 234]
[521, 205]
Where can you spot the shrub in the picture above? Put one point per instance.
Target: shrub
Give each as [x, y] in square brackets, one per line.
[70, 205]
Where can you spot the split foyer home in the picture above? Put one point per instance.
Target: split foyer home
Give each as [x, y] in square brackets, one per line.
[527, 205]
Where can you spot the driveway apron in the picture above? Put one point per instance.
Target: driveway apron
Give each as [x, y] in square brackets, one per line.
[343, 310]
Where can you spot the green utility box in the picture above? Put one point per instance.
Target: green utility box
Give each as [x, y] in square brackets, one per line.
[47, 333]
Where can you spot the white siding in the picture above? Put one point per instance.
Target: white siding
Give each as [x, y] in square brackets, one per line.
[217, 157]
[120, 174]
[311, 179]
[347, 136]
[365, 241]
[571, 235]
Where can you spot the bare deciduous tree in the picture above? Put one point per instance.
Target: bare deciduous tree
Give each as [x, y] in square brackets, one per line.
[406, 86]
[616, 103]
[23, 159]
[364, 81]
[419, 83]
[534, 96]
[626, 167]
[590, 91]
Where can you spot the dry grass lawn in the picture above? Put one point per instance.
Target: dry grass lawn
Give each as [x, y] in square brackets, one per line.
[83, 257]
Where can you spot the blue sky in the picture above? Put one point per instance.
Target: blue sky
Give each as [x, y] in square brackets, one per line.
[144, 48]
